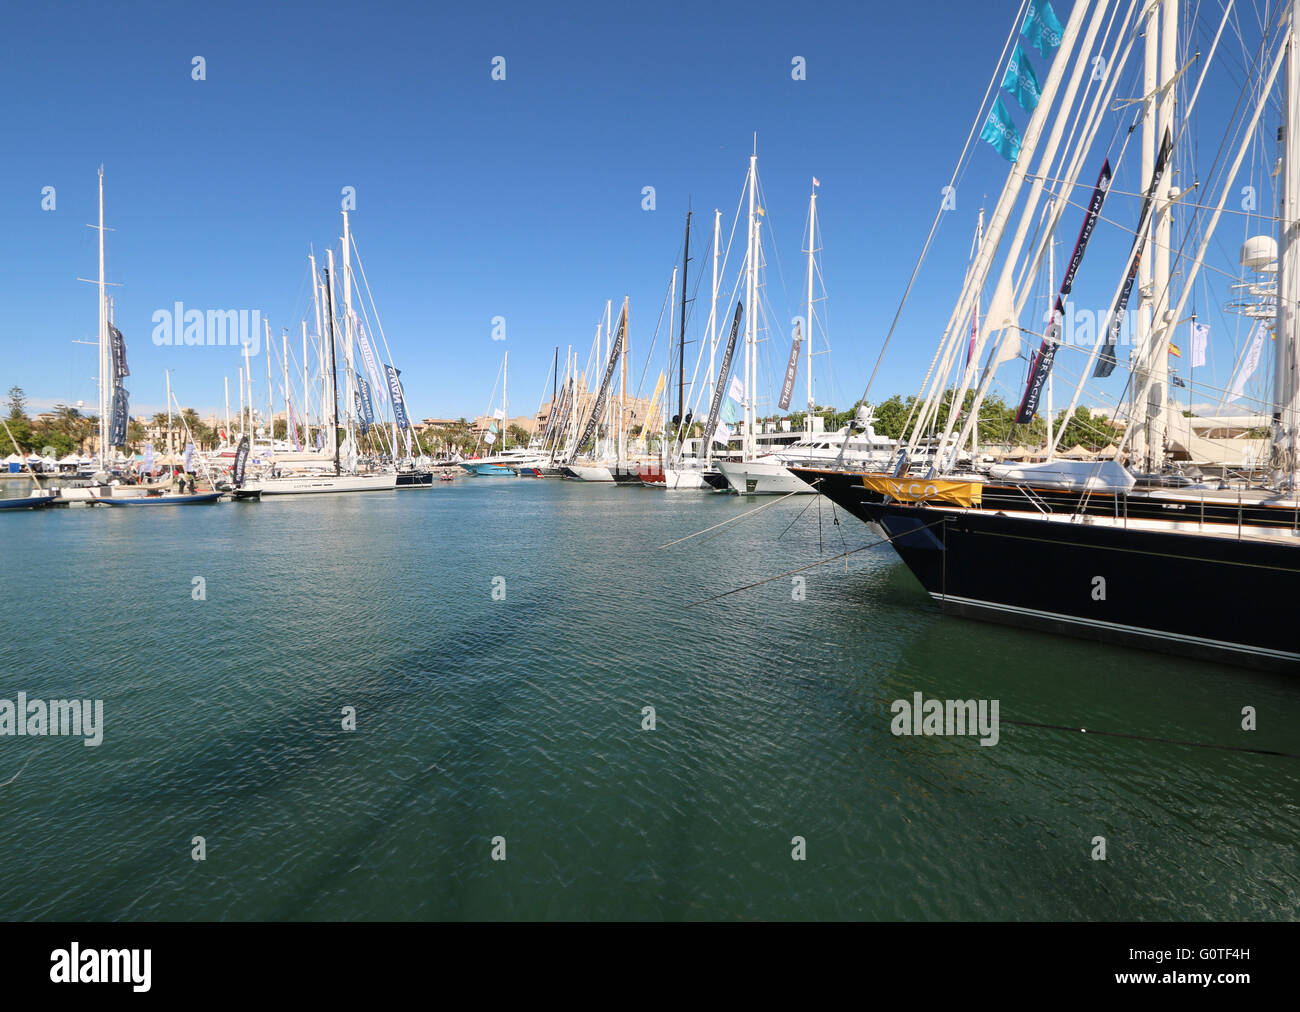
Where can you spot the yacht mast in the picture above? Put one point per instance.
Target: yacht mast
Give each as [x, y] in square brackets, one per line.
[349, 382]
[713, 325]
[1162, 319]
[751, 284]
[103, 338]
[681, 342]
[812, 249]
[1286, 371]
[333, 369]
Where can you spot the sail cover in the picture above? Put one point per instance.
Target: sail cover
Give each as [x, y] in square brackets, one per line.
[791, 371]
[241, 463]
[723, 370]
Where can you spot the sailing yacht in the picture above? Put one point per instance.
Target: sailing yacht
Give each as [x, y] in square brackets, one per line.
[1092, 553]
[315, 481]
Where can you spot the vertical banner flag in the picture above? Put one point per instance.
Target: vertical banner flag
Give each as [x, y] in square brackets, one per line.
[368, 356]
[147, 466]
[189, 456]
[1200, 340]
[362, 422]
[1000, 132]
[1106, 360]
[1042, 363]
[395, 392]
[715, 404]
[1021, 83]
[1251, 362]
[1041, 27]
[791, 371]
[367, 403]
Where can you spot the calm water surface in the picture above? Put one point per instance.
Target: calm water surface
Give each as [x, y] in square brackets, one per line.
[522, 718]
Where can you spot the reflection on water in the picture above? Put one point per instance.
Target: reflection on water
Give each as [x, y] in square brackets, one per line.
[522, 718]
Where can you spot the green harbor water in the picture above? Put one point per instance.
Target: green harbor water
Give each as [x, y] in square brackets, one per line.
[522, 718]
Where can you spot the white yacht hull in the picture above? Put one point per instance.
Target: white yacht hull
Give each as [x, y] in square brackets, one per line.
[688, 477]
[761, 477]
[591, 472]
[93, 493]
[316, 484]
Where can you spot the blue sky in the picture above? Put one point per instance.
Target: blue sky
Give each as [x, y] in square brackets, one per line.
[479, 198]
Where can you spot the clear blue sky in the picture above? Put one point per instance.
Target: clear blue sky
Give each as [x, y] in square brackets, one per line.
[477, 198]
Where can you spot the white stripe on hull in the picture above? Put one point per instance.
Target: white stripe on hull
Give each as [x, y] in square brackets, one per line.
[1201, 642]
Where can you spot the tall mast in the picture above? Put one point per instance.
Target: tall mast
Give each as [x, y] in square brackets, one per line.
[168, 374]
[227, 410]
[1286, 371]
[622, 391]
[248, 382]
[306, 396]
[505, 398]
[713, 324]
[1051, 309]
[751, 286]
[333, 369]
[681, 342]
[349, 396]
[812, 250]
[103, 338]
[270, 403]
[1157, 404]
[284, 370]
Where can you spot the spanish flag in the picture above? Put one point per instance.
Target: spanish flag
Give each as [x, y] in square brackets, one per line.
[1173, 350]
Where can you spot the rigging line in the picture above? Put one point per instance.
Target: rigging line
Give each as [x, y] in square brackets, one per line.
[822, 562]
[797, 519]
[725, 522]
[934, 227]
[1151, 738]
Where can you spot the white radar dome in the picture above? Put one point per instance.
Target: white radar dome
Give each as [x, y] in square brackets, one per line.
[1259, 253]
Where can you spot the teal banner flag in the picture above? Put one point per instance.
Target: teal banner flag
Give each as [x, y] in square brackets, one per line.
[1000, 132]
[1041, 27]
[1021, 83]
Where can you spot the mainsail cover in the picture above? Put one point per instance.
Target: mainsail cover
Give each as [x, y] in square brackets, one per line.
[119, 411]
[241, 463]
[599, 406]
[791, 371]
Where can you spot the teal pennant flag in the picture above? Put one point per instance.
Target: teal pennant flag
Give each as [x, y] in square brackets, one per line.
[1021, 83]
[1001, 132]
[1041, 27]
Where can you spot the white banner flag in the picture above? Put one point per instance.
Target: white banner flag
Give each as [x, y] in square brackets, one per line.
[1200, 341]
[490, 438]
[1251, 362]
[499, 415]
[737, 390]
[722, 434]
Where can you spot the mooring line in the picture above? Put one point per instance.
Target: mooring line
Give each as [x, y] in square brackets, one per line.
[1145, 737]
[822, 562]
[728, 521]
